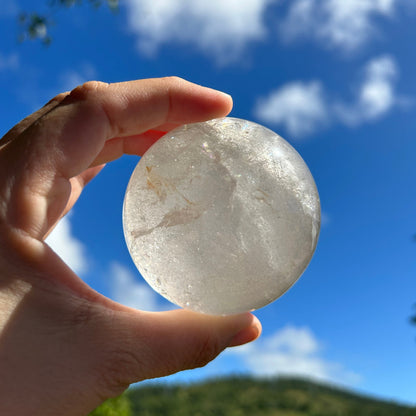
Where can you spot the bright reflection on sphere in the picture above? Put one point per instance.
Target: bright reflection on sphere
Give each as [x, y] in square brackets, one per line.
[221, 217]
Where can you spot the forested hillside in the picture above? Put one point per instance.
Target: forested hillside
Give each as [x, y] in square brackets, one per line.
[246, 396]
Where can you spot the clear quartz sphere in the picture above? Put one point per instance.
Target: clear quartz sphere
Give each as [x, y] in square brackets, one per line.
[221, 217]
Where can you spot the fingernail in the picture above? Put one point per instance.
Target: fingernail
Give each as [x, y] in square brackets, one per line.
[228, 96]
[221, 93]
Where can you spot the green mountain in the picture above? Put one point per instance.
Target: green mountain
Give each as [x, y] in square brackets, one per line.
[252, 397]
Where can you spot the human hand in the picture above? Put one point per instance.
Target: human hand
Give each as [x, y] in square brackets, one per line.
[63, 347]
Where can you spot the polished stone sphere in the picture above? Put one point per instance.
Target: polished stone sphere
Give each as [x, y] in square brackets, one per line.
[221, 217]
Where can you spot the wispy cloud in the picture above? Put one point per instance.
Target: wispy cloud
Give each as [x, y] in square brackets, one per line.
[73, 77]
[9, 62]
[336, 23]
[222, 28]
[303, 108]
[325, 219]
[126, 289]
[68, 247]
[293, 351]
[35, 90]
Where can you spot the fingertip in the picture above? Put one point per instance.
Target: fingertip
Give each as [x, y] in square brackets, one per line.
[227, 101]
[200, 102]
[249, 334]
[223, 102]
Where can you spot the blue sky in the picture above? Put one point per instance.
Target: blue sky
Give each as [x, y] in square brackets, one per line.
[336, 79]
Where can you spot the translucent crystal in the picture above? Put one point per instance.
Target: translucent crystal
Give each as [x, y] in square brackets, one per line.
[221, 217]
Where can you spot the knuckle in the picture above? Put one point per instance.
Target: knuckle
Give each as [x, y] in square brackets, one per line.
[88, 89]
[56, 100]
[173, 80]
[82, 315]
[120, 369]
[95, 100]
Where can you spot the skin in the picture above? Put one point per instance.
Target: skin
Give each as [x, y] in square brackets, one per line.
[65, 348]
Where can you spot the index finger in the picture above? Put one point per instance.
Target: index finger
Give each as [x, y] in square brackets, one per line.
[133, 108]
[70, 137]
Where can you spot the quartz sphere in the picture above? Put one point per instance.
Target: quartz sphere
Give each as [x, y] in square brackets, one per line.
[221, 217]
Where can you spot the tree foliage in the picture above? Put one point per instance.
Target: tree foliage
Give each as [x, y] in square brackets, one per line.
[119, 406]
[37, 25]
[413, 317]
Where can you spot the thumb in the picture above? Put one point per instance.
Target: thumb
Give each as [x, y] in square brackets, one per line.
[148, 345]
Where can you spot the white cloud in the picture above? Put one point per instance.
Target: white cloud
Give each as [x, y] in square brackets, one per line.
[299, 106]
[223, 28]
[376, 95]
[127, 290]
[220, 27]
[9, 62]
[124, 285]
[293, 351]
[68, 247]
[337, 23]
[303, 108]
